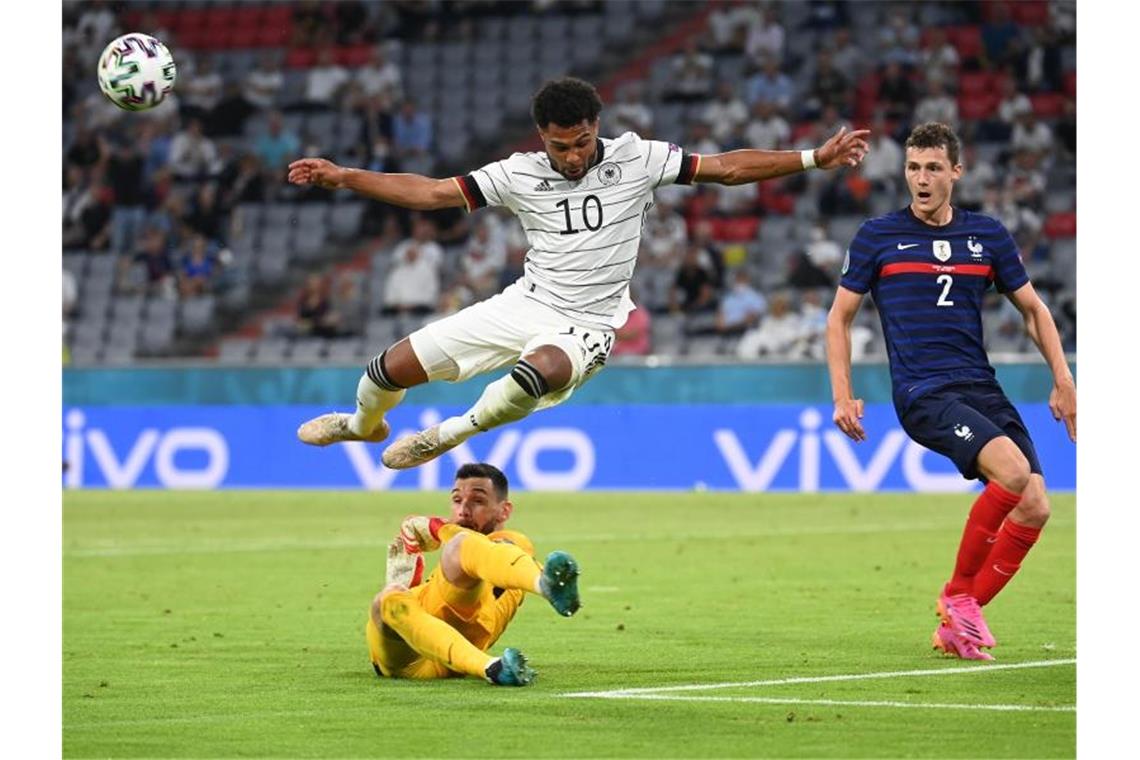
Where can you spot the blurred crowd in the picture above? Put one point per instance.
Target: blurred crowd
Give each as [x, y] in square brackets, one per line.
[743, 272]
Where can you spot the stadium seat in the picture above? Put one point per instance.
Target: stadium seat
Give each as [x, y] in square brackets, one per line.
[1061, 225]
[196, 314]
[272, 269]
[271, 350]
[86, 354]
[307, 350]
[1063, 259]
[156, 339]
[735, 228]
[309, 244]
[278, 215]
[1030, 12]
[978, 106]
[345, 220]
[967, 40]
[1047, 105]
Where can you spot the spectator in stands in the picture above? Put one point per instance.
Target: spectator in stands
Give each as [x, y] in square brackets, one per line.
[242, 182]
[311, 25]
[206, 217]
[155, 140]
[635, 337]
[352, 23]
[725, 113]
[325, 81]
[125, 178]
[630, 114]
[228, 117]
[153, 271]
[1013, 103]
[970, 189]
[772, 85]
[277, 146]
[87, 149]
[765, 37]
[824, 252]
[846, 56]
[484, 255]
[829, 87]
[883, 165]
[692, 77]
[1000, 38]
[700, 140]
[193, 155]
[940, 59]
[201, 90]
[349, 306]
[813, 320]
[413, 282]
[898, 33]
[741, 307]
[411, 132]
[196, 273]
[1067, 128]
[897, 96]
[77, 197]
[380, 77]
[263, 84]
[1001, 204]
[728, 26]
[516, 259]
[1025, 180]
[937, 106]
[694, 286]
[703, 237]
[803, 273]
[768, 130]
[779, 334]
[316, 317]
[1031, 134]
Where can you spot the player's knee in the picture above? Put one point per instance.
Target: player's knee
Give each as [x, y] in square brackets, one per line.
[390, 605]
[1001, 461]
[1033, 509]
[543, 370]
[397, 368]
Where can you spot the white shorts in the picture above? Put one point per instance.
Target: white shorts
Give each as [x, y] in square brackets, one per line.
[497, 332]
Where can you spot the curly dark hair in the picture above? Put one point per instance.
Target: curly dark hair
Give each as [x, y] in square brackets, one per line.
[935, 134]
[484, 470]
[566, 102]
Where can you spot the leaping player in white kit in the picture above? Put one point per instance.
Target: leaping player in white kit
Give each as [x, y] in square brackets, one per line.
[582, 202]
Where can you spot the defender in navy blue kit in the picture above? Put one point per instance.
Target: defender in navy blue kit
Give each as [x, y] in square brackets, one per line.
[928, 268]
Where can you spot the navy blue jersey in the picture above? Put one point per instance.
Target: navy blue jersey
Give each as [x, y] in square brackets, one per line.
[928, 283]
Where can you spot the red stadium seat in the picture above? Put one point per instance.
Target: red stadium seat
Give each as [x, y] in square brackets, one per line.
[247, 18]
[1048, 105]
[736, 229]
[976, 82]
[243, 37]
[195, 39]
[1031, 12]
[188, 20]
[273, 35]
[1071, 84]
[802, 130]
[353, 55]
[966, 39]
[300, 58]
[989, 10]
[977, 107]
[1061, 225]
[132, 19]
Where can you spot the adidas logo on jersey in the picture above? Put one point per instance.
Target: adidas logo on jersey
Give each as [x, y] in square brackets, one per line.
[544, 185]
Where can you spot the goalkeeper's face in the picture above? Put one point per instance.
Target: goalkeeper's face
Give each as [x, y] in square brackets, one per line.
[476, 505]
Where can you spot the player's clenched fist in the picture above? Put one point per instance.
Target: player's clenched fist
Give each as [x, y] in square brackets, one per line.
[846, 417]
[317, 171]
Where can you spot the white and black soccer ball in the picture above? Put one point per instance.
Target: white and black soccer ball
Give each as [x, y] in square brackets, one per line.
[136, 72]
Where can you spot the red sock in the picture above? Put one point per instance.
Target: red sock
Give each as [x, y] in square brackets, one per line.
[1013, 542]
[991, 507]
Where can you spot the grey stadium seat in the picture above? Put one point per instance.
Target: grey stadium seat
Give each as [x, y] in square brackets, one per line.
[235, 350]
[196, 315]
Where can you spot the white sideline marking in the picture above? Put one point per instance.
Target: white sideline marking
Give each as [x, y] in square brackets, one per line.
[839, 702]
[669, 693]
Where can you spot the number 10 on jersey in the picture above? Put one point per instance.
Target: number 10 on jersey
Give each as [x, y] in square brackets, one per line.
[591, 207]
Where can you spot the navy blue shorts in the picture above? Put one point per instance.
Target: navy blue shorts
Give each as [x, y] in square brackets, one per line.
[957, 421]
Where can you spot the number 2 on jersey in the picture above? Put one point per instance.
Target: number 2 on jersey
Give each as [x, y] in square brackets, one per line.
[586, 214]
[945, 281]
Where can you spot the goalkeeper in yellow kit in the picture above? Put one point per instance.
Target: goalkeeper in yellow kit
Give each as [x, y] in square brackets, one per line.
[443, 627]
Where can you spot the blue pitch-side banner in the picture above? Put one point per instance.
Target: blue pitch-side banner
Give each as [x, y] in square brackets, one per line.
[673, 447]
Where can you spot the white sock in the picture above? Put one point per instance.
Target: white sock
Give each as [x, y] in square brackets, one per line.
[502, 401]
[372, 402]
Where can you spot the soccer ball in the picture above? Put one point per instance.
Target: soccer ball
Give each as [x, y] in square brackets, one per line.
[136, 72]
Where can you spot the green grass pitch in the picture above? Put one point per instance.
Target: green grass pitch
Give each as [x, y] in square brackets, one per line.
[231, 624]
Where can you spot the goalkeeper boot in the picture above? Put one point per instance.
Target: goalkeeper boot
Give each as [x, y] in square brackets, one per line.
[510, 669]
[559, 583]
[333, 428]
[949, 642]
[413, 450]
[963, 613]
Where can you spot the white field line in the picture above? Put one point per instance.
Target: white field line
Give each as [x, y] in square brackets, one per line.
[838, 702]
[112, 549]
[654, 692]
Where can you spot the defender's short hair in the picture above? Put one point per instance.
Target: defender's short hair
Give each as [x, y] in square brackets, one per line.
[566, 102]
[489, 471]
[935, 134]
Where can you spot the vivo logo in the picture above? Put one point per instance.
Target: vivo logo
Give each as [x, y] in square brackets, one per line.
[758, 474]
[122, 469]
[510, 445]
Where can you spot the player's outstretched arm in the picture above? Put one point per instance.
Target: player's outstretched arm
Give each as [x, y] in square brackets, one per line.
[1043, 331]
[848, 409]
[408, 190]
[739, 167]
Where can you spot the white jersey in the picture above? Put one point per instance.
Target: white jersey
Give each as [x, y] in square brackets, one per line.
[584, 234]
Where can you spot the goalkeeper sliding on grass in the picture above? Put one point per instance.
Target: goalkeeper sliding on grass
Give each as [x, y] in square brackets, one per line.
[443, 627]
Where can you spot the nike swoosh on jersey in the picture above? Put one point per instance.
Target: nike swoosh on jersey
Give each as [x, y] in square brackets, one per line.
[903, 247]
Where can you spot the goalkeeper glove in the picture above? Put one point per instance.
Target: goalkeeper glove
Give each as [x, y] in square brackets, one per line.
[420, 534]
[404, 568]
